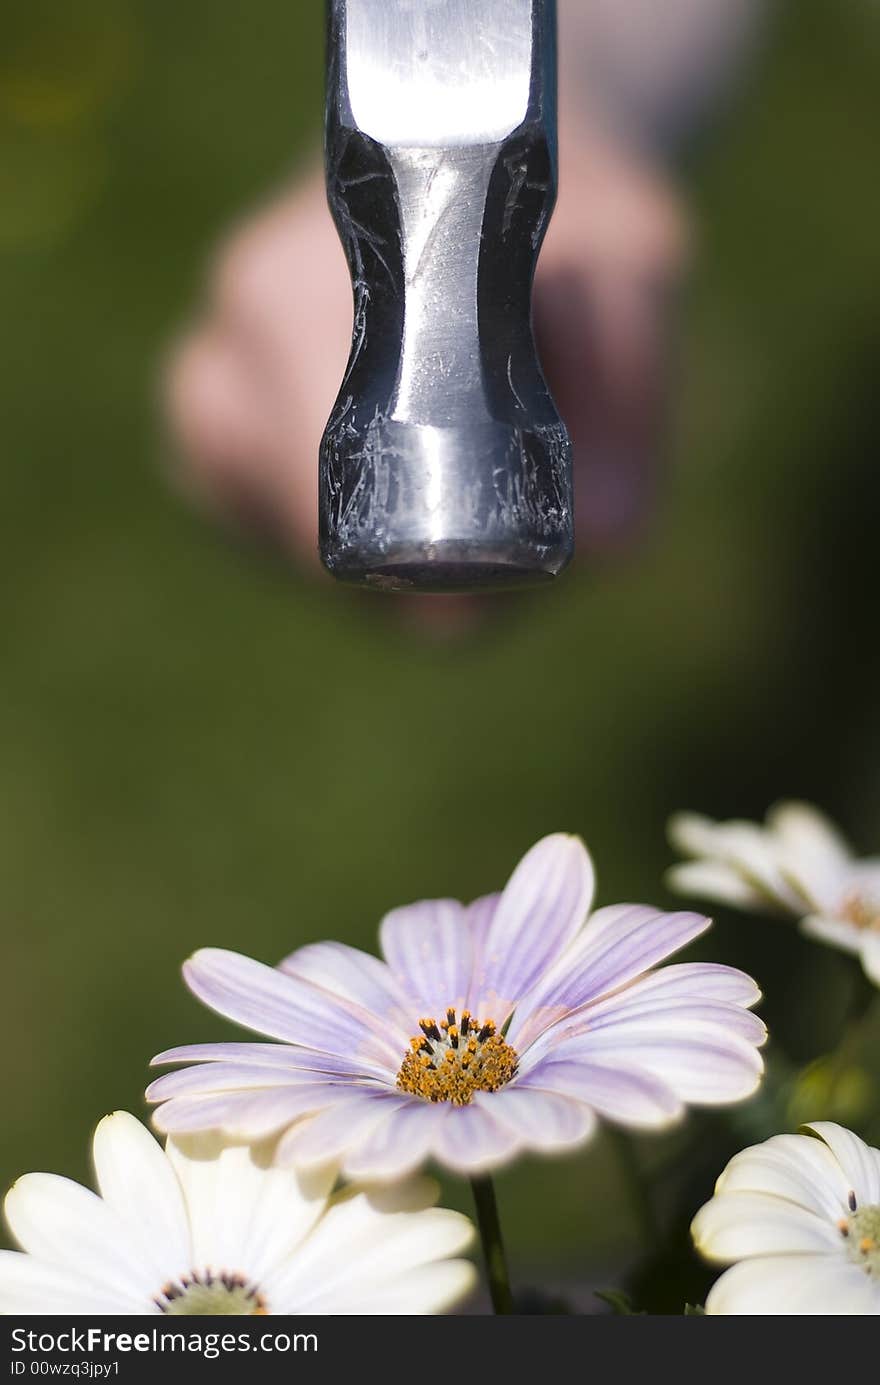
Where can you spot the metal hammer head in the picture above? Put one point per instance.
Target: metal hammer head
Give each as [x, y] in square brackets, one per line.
[444, 465]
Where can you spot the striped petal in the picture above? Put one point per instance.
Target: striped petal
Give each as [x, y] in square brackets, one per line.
[429, 947]
[616, 947]
[334, 1131]
[627, 1096]
[548, 1120]
[543, 907]
[286, 1007]
[701, 1069]
[244, 1115]
[409, 1134]
[354, 976]
[268, 1058]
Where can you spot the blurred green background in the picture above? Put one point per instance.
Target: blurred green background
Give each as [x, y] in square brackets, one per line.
[197, 746]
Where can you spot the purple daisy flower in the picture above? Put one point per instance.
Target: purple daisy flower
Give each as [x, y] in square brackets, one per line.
[489, 1029]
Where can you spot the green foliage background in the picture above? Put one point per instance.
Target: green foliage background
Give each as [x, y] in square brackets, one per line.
[197, 746]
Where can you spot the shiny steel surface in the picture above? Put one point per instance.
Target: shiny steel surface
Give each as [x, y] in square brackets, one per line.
[444, 464]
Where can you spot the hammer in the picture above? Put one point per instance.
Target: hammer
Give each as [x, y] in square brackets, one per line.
[444, 465]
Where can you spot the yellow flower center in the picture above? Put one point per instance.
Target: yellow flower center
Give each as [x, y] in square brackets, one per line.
[861, 1231]
[209, 1295]
[862, 911]
[451, 1060]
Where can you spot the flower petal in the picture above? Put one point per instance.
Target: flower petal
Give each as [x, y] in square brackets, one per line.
[429, 947]
[617, 946]
[355, 976]
[835, 932]
[480, 913]
[137, 1181]
[259, 1055]
[427, 1289]
[809, 836]
[744, 847]
[29, 1286]
[859, 1162]
[623, 941]
[820, 1285]
[630, 1015]
[699, 980]
[366, 1238]
[286, 1058]
[714, 880]
[245, 1214]
[286, 1007]
[702, 1071]
[871, 957]
[400, 1143]
[68, 1226]
[248, 1115]
[802, 1170]
[331, 1132]
[629, 1097]
[475, 1140]
[543, 907]
[544, 1119]
[734, 1225]
[216, 1078]
[694, 834]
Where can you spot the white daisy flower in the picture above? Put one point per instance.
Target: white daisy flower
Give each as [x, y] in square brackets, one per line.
[800, 1217]
[203, 1228]
[487, 1029]
[797, 864]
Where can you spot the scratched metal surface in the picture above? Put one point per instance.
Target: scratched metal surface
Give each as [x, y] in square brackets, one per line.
[444, 462]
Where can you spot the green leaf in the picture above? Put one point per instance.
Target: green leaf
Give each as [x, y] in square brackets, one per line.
[694, 1310]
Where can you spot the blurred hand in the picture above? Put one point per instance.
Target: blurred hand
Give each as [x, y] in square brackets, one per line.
[252, 382]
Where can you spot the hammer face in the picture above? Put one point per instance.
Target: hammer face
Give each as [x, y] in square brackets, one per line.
[444, 464]
[438, 74]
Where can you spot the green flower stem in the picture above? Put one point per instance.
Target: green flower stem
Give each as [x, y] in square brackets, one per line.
[493, 1245]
